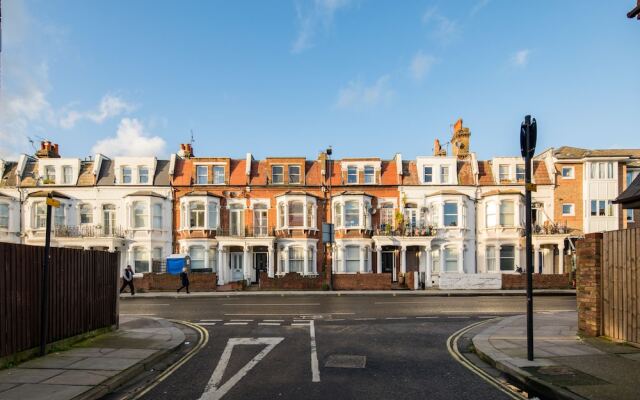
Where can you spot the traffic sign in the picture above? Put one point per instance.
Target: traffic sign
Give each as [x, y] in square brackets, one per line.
[53, 203]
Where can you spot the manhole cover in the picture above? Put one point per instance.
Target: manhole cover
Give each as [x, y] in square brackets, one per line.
[345, 361]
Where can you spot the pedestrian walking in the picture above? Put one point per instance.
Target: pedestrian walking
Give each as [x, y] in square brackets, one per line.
[184, 277]
[127, 280]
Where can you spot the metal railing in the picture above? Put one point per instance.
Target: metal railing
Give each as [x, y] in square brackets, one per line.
[551, 229]
[88, 231]
[406, 231]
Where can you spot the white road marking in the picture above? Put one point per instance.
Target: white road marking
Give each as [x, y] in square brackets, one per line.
[487, 316]
[300, 324]
[427, 317]
[140, 315]
[401, 302]
[272, 304]
[206, 323]
[273, 320]
[213, 391]
[211, 320]
[457, 317]
[241, 320]
[364, 319]
[315, 371]
[150, 304]
[396, 318]
[269, 323]
[236, 323]
[279, 314]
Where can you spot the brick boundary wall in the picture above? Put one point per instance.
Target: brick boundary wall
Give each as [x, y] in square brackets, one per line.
[409, 280]
[371, 281]
[153, 282]
[291, 281]
[588, 281]
[540, 281]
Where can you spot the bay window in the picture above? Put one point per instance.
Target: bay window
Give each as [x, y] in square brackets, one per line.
[196, 253]
[140, 260]
[507, 210]
[337, 214]
[196, 214]
[351, 214]
[296, 213]
[296, 259]
[140, 215]
[491, 258]
[450, 214]
[450, 259]
[352, 258]
[507, 258]
[157, 216]
[4, 216]
[86, 214]
[491, 214]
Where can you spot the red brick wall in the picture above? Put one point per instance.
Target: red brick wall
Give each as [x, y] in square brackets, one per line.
[540, 281]
[569, 191]
[409, 280]
[200, 282]
[291, 281]
[588, 281]
[362, 281]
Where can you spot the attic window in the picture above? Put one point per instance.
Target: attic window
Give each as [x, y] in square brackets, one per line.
[294, 174]
[369, 175]
[352, 175]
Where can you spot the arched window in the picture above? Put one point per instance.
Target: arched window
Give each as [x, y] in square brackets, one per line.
[140, 215]
[351, 214]
[296, 259]
[196, 253]
[337, 214]
[196, 214]
[296, 213]
[86, 214]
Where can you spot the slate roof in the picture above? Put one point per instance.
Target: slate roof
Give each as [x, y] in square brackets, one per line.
[568, 152]
[162, 177]
[106, 175]
[9, 177]
[630, 198]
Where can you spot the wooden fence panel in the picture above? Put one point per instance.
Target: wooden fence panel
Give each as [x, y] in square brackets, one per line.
[621, 284]
[82, 294]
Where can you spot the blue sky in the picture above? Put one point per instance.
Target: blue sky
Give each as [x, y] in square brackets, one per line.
[288, 78]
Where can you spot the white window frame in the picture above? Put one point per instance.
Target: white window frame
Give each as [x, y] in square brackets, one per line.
[352, 172]
[451, 254]
[296, 258]
[502, 177]
[444, 174]
[143, 172]
[490, 255]
[200, 253]
[199, 174]
[280, 175]
[291, 174]
[503, 248]
[39, 218]
[425, 174]
[67, 174]
[140, 254]
[491, 214]
[520, 172]
[295, 215]
[50, 174]
[218, 174]
[504, 215]
[5, 217]
[157, 209]
[82, 207]
[571, 175]
[350, 260]
[369, 175]
[572, 210]
[445, 214]
[194, 214]
[144, 215]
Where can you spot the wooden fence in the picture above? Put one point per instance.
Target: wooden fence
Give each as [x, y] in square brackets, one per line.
[82, 294]
[620, 285]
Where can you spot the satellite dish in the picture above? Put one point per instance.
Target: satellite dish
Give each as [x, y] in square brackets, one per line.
[372, 210]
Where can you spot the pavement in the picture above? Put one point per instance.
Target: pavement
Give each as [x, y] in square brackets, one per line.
[95, 367]
[428, 292]
[565, 366]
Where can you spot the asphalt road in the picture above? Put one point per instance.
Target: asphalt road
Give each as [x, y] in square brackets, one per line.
[318, 347]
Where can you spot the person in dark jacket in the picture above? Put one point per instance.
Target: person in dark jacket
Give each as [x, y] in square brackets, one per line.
[184, 277]
[127, 280]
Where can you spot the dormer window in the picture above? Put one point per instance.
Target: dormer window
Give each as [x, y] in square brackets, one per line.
[520, 172]
[126, 175]
[143, 175]
[444, 174]
[202, 174]
[352, 175]
[67, 175]
[428, 174]
[277, 174]
[503, 172]
[49, 175]
[294, 174]
[369, 175]
[218, 175]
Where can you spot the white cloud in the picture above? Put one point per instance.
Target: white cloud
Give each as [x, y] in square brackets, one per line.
[420, 65]
[479, 6]
[110, 106]
[357, 95]
[521, 58]
[314, 16]
[130, 140]
[443, 28]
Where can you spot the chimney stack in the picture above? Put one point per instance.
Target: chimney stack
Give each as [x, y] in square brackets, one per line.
[186, 151]
[48, 150]
[460, 140]
[438, 150]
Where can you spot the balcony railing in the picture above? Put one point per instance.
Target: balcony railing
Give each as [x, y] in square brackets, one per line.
[250, 231]
[406, 231]
[88, 231]
[551, 229]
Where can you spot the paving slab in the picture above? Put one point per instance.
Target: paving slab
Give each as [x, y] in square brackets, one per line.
[81, 377]
[19, 375]
[52, 361]
[42, 391]
[139, 354]
[104, 363]
[7, 386]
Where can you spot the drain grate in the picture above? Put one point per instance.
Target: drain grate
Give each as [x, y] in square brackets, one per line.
[345, 361]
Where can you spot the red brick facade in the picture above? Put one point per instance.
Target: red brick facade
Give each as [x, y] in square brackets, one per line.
[362, 281]
[540, 281]
[198, 282]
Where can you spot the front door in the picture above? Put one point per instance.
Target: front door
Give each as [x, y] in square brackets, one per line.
[260, 264]
[237, 273]
[389, 264]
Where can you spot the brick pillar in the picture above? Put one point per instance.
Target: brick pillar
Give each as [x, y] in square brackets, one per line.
[588, 284]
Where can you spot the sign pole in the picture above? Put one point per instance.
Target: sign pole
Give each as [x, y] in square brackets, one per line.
[44, 292]
[528, 136]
